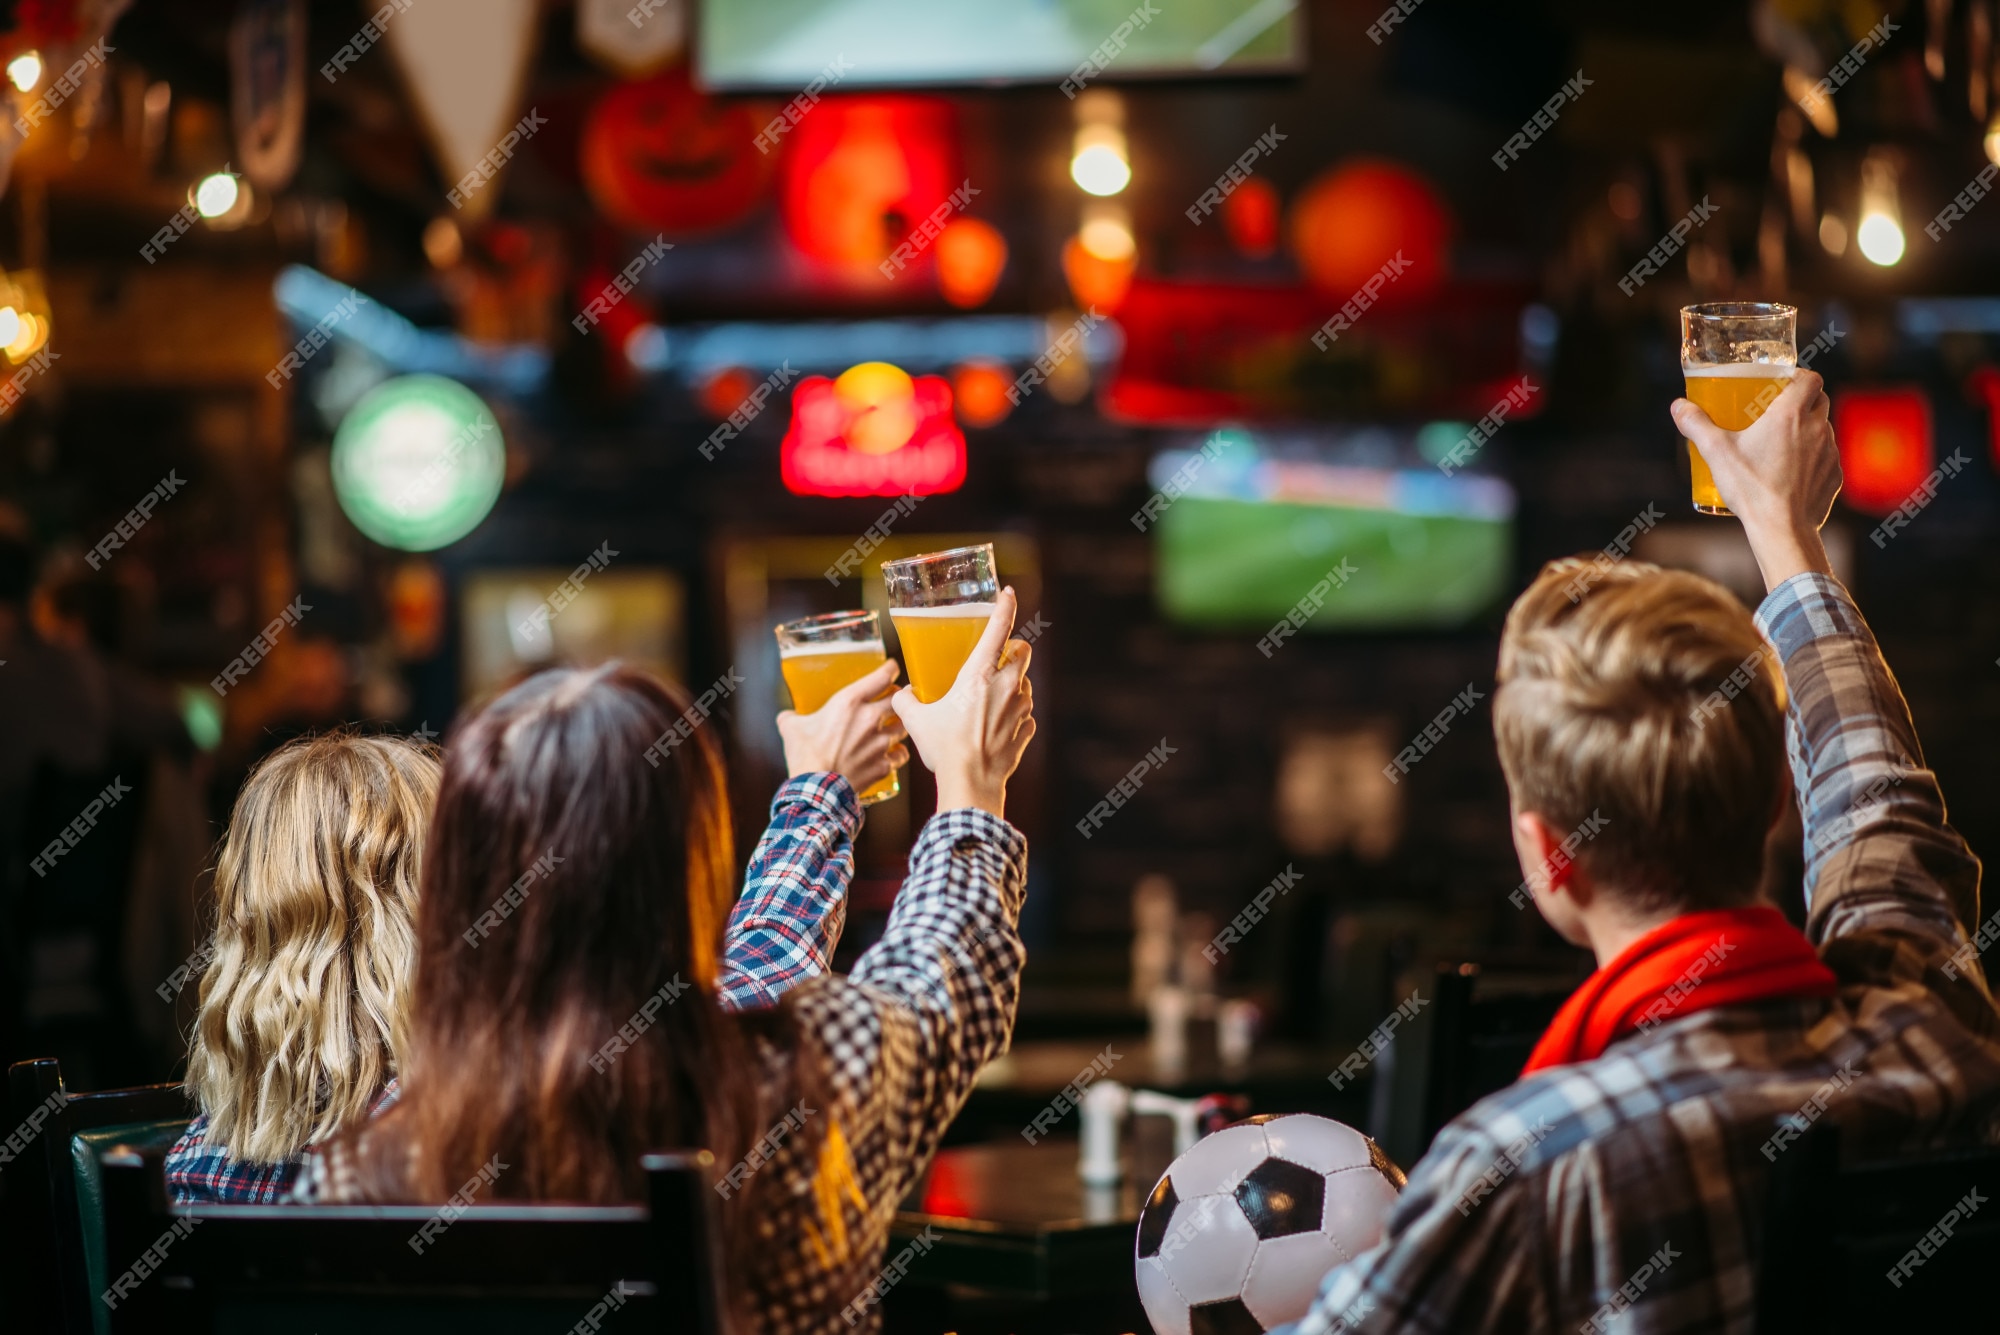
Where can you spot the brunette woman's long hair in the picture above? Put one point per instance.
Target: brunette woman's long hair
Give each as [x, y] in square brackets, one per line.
[579, 866]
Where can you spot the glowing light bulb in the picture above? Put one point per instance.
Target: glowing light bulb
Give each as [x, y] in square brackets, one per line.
[1880, 238]
[25, 70]
[216, 195]
[10, 325]
[1993, 138]
[1100, 169]
[1107, 236]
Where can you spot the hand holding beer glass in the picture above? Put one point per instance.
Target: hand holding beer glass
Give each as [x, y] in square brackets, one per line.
[819, 657]
[940, 603]
[1738, 357]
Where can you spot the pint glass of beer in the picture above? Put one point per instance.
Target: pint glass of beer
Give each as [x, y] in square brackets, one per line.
[821, 654]
[940, 604]
[1738, 357]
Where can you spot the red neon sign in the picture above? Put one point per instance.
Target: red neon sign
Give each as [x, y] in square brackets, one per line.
[875, 432]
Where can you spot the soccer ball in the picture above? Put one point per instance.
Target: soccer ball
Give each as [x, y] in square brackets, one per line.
[1242, 1228]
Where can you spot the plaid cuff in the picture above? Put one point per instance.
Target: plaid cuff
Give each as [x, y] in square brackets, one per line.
[963, 826]
[826, 792]
[1807, 607]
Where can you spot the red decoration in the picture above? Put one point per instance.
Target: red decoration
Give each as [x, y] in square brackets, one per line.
[981, 391]
[1984, 385]
[1097, 283]
[1885, 445]
[860, 174]
[1250, 216]
[875, 432]
[723, 393]
[1356, 218]
[970, 256]
[658, 156]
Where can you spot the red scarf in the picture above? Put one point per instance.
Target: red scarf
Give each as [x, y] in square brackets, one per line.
[1715, 958]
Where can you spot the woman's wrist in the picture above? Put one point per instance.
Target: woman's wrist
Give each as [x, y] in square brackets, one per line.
[959, 791]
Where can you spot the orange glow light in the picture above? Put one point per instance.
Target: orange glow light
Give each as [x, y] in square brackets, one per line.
[970, 257]
[1885, 445]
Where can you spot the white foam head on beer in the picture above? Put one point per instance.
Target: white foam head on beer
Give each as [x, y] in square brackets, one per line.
[1743, 371]
[831, 647]
[954, 611]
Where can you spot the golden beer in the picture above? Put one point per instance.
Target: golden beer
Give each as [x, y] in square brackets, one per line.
[818, 657]
[1738, 356]
[1733, 396]
[936, 643]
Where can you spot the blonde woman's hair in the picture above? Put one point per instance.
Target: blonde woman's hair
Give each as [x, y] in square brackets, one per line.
[304, 1004]
[1646, 702]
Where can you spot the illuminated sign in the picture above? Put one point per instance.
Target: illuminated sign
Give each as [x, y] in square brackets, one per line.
[875, 431]
[418, 462]
[1885, 445]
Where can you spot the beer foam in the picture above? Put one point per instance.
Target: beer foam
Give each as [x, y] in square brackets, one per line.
[1741, 371]
[952, 611]
[832, 647]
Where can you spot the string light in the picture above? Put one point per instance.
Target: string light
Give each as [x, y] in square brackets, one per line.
[1880, 232]
[1098, 160]
[216, 195]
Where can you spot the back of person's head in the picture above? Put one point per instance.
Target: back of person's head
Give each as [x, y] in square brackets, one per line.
[1644, 702]
[305, 1000]
[575, 897]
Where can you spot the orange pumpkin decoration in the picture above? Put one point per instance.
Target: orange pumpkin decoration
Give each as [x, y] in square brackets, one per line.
[1097, 283]
[860, 175]
[660, 156]
[1355, 218]
[970, 257]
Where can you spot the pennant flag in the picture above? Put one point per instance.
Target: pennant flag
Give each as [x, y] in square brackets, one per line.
[464, 63]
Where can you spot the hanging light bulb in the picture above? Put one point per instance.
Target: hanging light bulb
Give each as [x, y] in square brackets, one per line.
[25, 70]
[1107, 231]
[216, 195]
[1993, 138]
[1098, 162]
[1880, 232]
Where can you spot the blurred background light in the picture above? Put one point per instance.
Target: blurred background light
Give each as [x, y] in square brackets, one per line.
[418, 462]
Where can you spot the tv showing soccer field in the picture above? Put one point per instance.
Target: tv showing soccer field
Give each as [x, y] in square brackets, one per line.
[1250, 540]
[787, 44]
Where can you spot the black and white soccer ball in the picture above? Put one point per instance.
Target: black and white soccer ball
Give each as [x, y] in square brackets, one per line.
[1240, 1231]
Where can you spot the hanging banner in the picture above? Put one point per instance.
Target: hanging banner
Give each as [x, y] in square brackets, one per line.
[267, 74]
[464, 63]
[631, 39]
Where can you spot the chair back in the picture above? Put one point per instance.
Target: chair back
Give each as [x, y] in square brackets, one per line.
[1899, 1244]
[1472, 1039]
[376, 1269]
[52, 1193]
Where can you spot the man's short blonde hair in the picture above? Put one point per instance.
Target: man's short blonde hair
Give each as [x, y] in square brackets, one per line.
[1647, 699]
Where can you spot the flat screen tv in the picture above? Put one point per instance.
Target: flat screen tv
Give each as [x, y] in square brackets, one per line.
[1250, 536]
[783, 45]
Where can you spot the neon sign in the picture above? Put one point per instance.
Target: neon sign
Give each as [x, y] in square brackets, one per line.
[875, 431]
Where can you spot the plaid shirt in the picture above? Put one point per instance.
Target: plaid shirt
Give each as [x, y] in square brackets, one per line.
[904, 1036]
[781, 932]
[1627, 1192]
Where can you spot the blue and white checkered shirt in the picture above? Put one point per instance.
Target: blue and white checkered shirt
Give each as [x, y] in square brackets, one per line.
[781, 932]
[1630, 1189]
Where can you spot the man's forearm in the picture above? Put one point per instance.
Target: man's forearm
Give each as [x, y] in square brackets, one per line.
[1782, 553]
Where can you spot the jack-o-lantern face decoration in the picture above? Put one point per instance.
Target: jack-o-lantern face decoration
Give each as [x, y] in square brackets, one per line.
[658, 156]
[860, 174]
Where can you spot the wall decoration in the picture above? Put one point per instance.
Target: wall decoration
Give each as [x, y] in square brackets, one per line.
[267, 100]
[464, 64]
[858, 174]
[1355, 218]
[418, 462]
[874, 431]
[660, 156]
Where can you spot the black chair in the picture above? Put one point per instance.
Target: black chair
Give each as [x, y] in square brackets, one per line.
[1835, 1231]
[51, 1189]
[373, 1269]
[1472, 1039]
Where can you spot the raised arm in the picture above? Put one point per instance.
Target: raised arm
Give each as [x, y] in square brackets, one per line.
[794, 902]
[1880, 855]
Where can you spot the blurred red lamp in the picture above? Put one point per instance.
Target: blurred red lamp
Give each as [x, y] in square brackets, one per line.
[1097, 281]
[1885, 445]
[981, 390]
[860, 173]
[723, 392]
[1354, 219]
[1250, 217]
[970, 256]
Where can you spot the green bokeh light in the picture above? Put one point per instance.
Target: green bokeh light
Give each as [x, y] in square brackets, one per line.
[418, 462]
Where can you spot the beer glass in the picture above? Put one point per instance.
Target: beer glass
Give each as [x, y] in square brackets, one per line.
[821, 654]
[1738, 357]
[940, 604]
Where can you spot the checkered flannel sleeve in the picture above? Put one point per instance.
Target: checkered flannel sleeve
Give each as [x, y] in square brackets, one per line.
[794, 902]
[1880, 855]
[929, 1004]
